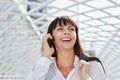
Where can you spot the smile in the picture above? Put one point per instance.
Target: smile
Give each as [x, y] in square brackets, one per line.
[66, 39]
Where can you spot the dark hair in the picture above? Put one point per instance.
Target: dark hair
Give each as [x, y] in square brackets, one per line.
[66, 20]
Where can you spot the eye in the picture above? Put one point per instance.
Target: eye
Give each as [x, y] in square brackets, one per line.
[72, 29]
[59, 29]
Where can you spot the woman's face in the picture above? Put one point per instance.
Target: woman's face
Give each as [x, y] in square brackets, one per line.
[64, 36]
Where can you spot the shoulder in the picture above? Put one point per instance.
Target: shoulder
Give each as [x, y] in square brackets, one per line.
[96, 67]
[97, 71]
[95, 64]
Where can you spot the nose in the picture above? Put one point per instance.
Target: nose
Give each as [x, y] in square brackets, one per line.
[66, 31]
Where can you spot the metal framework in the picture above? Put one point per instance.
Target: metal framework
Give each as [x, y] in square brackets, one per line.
[24, 22]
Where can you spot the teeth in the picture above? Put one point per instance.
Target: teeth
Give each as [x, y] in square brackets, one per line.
[66, 39]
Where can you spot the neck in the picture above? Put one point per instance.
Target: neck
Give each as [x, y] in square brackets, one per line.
[65, 58]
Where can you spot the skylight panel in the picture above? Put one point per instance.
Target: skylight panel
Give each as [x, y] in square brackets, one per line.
[51, 10]
[98, 46]
[117, 26]
[97, 50]
[116, 1]
[108, 28]
[89, 39]
[63, 13]
[74, 8]
[83, 18]
[94, 22]
[91, 35]
[118, 34]
[87, 43]
[62, 4]
[111, 20]
[96, 14]
[82, 26]
[103, 33]
[114, 43]
[113, 32]
[4, 6]
[82, 32]
[102, 38]
[99, 43]
[117, 39]
[92, 29]
[87, 47]
[113, 11]
[100, 3]
[83, 8]
[81, 37]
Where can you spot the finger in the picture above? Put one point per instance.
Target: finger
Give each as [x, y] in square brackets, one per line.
[49, 35]
[81, 66]
[83, 63]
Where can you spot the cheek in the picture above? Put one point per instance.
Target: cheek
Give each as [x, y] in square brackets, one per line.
[74, 37]
[55, 36]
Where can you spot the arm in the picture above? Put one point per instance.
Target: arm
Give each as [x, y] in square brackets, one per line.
[40, 69]
[83, 70]
[92, 71]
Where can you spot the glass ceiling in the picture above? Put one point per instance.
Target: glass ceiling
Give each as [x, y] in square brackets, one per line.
[24, 22]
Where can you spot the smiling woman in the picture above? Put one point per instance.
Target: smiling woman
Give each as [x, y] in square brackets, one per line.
[65, 50]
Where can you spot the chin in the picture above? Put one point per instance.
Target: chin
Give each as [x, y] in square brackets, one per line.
[67, 47]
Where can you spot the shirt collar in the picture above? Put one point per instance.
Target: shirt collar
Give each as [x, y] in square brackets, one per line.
[76, 61]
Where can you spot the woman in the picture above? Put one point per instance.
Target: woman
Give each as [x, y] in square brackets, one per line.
[65, 50]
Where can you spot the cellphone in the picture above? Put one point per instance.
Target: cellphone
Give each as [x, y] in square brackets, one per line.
[50, 42]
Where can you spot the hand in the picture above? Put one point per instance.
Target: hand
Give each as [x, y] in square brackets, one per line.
[83, 69]
[46, 50]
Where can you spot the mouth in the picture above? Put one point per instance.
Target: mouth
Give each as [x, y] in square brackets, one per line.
[66, 39]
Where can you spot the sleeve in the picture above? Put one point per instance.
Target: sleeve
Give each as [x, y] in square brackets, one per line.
[96, 71]
[40, 69]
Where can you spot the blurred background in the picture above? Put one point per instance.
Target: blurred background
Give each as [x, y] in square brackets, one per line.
[24, 22]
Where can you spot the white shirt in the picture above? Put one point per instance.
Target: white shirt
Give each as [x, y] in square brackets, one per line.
[46, 69]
